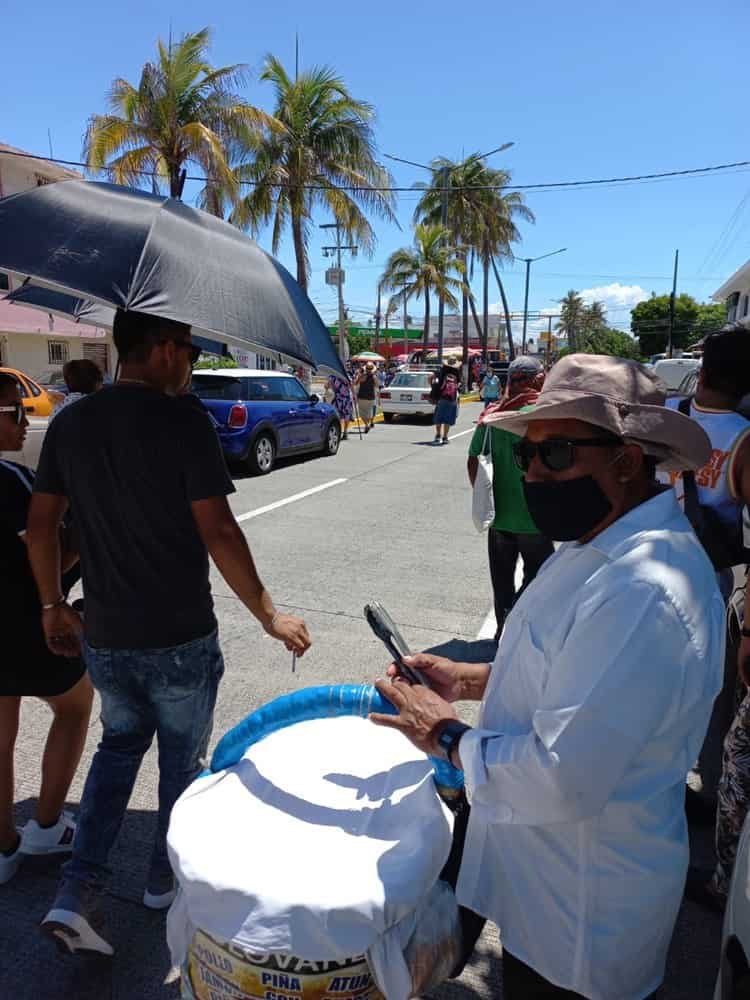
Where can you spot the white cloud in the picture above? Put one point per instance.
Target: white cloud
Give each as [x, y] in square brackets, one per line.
[617, 298]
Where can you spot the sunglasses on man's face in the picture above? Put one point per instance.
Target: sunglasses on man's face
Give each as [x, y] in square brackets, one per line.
[195, 351]
[556, 454]
[17, 409]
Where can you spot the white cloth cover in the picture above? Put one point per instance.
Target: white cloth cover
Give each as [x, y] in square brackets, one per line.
[322, 837]
[482, 497]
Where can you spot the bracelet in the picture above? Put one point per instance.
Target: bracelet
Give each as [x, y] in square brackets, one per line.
[56, 604]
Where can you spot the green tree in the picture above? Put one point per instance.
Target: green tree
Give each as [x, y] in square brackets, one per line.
[214, 363]
[482, 218]
[427, 268]
[319, 143]
[572, 318]
[649, 322]
[182, 111]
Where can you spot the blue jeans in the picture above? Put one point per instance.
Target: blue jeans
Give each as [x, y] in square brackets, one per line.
[169, 693]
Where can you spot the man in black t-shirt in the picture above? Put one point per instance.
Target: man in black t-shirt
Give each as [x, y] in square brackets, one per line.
[141, 468]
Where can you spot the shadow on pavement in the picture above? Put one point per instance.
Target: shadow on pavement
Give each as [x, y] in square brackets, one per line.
[31, 968]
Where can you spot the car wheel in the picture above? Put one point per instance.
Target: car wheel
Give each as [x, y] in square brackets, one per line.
[332, 438]
[262, 455]
[388, 417]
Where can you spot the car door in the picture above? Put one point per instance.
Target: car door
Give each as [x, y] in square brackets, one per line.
[306, 429]
[267, 402]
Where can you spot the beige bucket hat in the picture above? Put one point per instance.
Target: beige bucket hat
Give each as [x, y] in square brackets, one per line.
[621, 396]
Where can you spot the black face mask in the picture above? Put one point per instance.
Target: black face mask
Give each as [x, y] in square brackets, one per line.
[568, 509]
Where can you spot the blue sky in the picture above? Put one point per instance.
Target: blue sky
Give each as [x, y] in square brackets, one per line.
[588, 89]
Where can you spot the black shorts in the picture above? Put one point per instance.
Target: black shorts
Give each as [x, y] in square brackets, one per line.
[28, 667]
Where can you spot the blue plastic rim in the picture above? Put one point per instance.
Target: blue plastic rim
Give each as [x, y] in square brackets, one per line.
[330, 701]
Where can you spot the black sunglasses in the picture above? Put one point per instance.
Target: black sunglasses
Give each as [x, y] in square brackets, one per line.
[195, 351]
[556, 454]
[16, 408]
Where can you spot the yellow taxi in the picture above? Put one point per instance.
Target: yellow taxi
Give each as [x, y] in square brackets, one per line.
[37, 401]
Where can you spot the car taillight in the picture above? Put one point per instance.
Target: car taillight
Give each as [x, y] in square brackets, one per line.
[385, 395]
[237, 417]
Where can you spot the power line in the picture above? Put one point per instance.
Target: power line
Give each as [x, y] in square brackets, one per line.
[394, 189]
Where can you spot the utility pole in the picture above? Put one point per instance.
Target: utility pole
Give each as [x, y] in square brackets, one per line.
[672, 298]
[525, 305]
[377, 319]
[406, 324]
[444, 179]
[338, 280]
[529, 261]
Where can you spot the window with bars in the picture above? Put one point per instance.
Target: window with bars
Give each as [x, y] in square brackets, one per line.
[57, 352]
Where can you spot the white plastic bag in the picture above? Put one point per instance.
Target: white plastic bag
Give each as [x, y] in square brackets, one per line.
[422, 950]
[483, 500]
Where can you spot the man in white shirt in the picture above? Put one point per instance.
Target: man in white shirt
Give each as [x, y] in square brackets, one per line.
[597, 701]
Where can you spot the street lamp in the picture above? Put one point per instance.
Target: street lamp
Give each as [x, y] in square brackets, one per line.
[444, 175]
[529, 261]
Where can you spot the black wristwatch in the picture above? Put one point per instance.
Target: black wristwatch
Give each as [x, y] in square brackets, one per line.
[449, 736]
[745, 633]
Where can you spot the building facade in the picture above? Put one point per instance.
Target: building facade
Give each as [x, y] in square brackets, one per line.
[735, 294]
[35, 342]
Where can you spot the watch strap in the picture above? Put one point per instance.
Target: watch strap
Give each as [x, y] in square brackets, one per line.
[450, 734]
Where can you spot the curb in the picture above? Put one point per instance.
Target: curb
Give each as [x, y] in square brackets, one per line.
[472, 398]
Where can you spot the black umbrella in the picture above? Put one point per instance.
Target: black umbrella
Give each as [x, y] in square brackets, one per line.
[61, 304]
[85, 311]
[132, 250]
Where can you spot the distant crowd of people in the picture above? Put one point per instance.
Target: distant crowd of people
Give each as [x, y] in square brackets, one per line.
[625, 511]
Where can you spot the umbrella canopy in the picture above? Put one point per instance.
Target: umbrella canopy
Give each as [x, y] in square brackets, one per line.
[61, 304]
[368, 356]
[128, 249]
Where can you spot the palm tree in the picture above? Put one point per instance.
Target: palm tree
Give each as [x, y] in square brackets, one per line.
[428, 268]
[182, 111]
[572, 314]
[320, 151]
[481, 216]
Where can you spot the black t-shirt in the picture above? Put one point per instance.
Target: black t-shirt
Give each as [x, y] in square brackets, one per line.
[367, 387]
[19, 599]
[131, 460]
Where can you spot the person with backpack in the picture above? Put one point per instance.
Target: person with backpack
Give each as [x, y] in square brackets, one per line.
[445, 395]
[713, 499]
[489, 390]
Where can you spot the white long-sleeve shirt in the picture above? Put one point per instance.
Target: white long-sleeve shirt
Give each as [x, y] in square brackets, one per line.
[596, 707]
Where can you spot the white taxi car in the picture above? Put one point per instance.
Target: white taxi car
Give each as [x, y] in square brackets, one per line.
[407, 395]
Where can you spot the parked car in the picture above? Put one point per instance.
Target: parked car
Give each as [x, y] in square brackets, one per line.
[672, 371]
[408, 394]
[37, 401]
[264, 415]
[689, 387]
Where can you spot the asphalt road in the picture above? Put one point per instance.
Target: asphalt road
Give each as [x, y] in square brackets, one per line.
[386, 519]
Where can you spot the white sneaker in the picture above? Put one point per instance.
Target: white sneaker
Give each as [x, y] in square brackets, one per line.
[161, 890]
[9, 864]
[75, 921]
[55, 839]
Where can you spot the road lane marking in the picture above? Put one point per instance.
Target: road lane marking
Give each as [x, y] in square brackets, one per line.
[461, 433]
[489, 625]
[292, 499]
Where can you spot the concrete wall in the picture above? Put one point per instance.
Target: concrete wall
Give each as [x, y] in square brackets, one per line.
[19, 174]
[29, 352]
